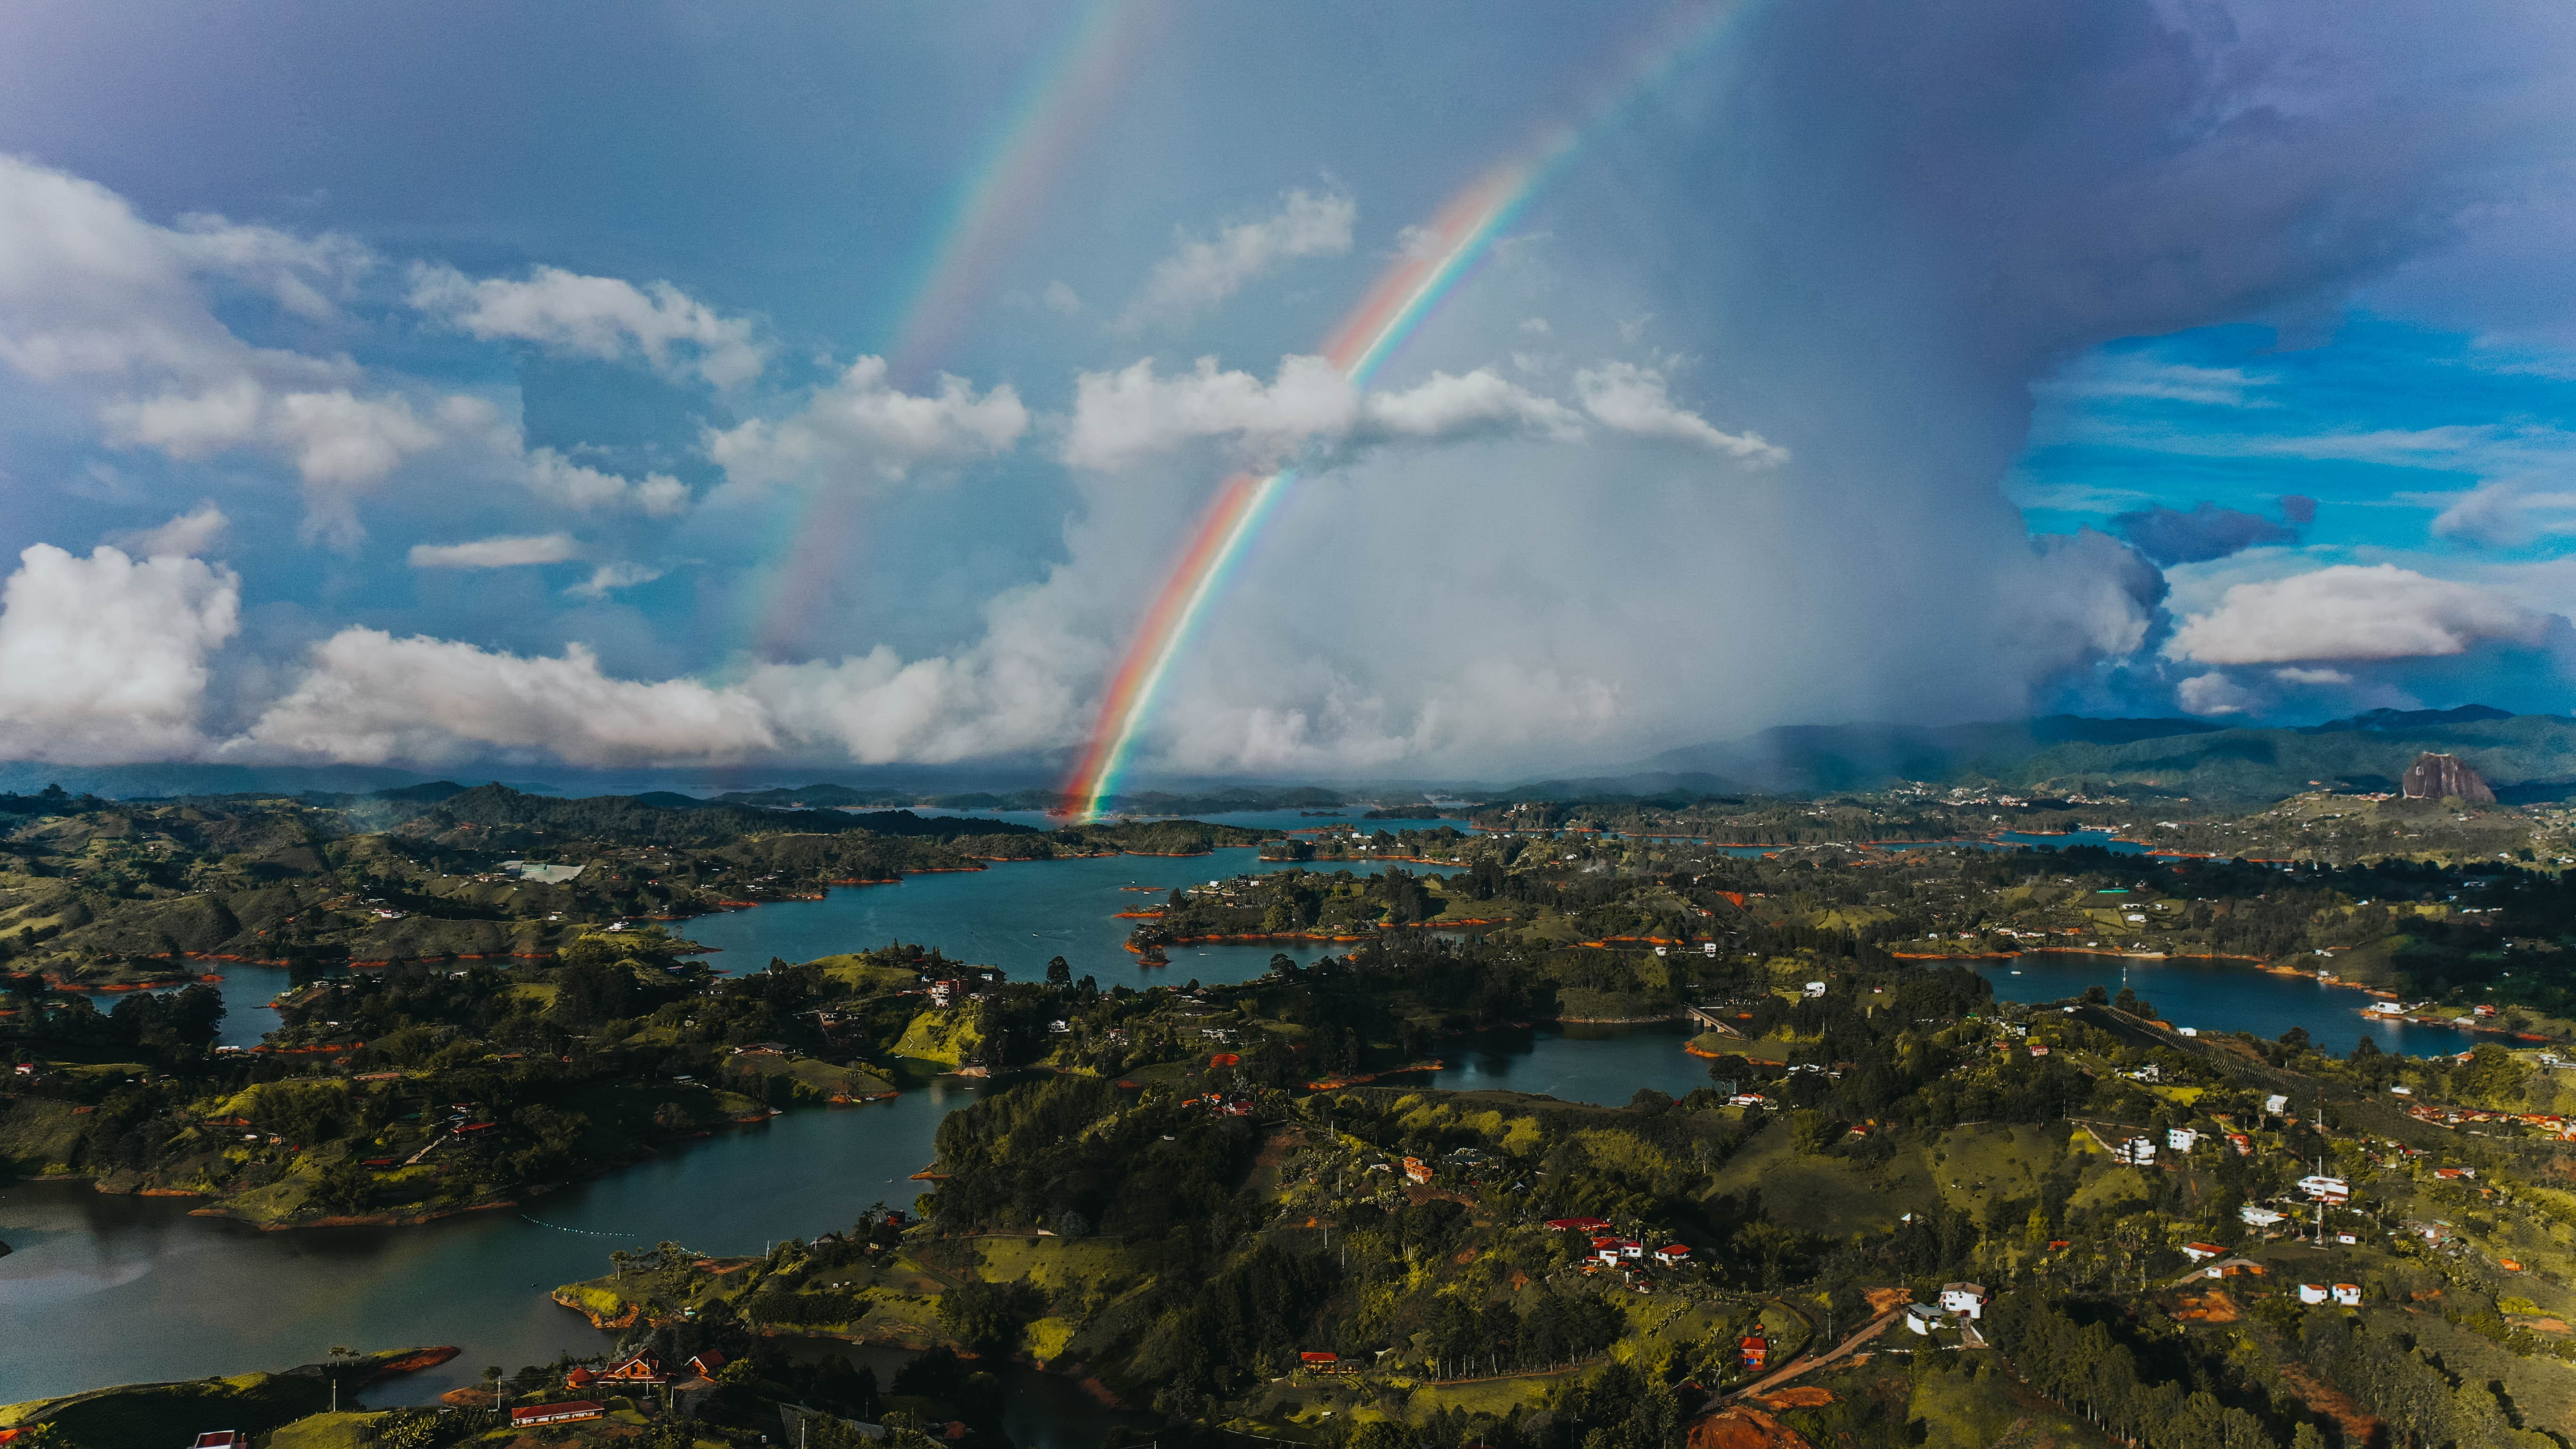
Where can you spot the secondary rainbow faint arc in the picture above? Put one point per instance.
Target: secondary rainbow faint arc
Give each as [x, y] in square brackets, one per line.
[1405, 294]
[994, 204]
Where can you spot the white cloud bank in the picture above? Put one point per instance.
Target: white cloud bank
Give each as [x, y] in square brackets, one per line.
[105, 658]
[1203, 272]
[862, 423]
[371, 697]
[603, 317]
[1124, 417]
[2350, 612]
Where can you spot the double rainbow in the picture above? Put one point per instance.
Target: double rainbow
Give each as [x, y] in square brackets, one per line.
[1406, 294]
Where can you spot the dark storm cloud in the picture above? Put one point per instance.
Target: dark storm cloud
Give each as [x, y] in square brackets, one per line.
[2204, 532]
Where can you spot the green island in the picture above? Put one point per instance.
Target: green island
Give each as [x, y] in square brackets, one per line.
[1900, 1211]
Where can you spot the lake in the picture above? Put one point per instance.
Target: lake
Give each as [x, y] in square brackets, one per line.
[2215, 996]
[1018, 914]
[106, 1290]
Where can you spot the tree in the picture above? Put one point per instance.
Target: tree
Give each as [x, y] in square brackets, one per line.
[1059, 972]
[987, 1317]
[1811, 1131]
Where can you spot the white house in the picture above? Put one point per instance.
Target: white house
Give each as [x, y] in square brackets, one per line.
[1815, 988]
[1968, 1300]
[2313, 1293]
[2258, 1217]
[2348, 1295]
[2275, 1104]
[1673, 1255]
[2326, 1189]
[2181, 1139]
[1922, 1317]
[2202, 1252]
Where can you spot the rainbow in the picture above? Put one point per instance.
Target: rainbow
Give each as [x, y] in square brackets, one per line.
[1439, 257]
[998, 200]
[994, 204]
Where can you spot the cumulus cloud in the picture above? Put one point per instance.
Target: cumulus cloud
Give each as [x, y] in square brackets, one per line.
[1204, 272]
[504, 552]
[2314, 677]
[578, 485]
[2203, 532]
[1632, 399]
[608, 318]
[105, 658]
[342, 445]
[184, 536]
[370, 697]
[861, 422]
[2504, 513]
[1124, 417]
[2212, 693]
[109, 306]
[2350, 612]
[1131, 414]
[1061, 299]
[88, 289]
[1479, 402]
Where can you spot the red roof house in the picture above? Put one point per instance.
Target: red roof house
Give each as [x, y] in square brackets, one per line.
[554, 1413]
[642, 1368]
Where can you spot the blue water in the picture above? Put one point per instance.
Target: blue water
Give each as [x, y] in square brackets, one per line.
[105, 1290]
[1573, 1063]
[2100, 839]
[2216, 996]
[108, 1290]
[1243, 819]
[1017, 915]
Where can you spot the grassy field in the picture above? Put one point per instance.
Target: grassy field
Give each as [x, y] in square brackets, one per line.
[139, 1415]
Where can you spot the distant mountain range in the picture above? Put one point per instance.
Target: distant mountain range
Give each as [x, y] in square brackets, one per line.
[2525, 757]
[1802, 759]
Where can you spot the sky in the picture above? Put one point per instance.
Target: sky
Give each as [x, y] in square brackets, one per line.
[814, 387]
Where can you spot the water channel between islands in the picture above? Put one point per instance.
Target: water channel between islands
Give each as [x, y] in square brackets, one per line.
[110, 1289]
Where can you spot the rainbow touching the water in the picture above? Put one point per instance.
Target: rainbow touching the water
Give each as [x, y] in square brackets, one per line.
[1438, 257]
[994, 205]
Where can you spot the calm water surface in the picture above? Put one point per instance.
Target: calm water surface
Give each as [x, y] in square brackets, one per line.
[105, 1290]
[1018, 914]
[2215, 996]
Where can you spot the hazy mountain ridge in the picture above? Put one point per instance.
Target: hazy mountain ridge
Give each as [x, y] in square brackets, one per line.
[2525, 757]
[1801, 759]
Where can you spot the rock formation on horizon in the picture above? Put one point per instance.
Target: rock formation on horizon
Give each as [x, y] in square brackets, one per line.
[2436, 777]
